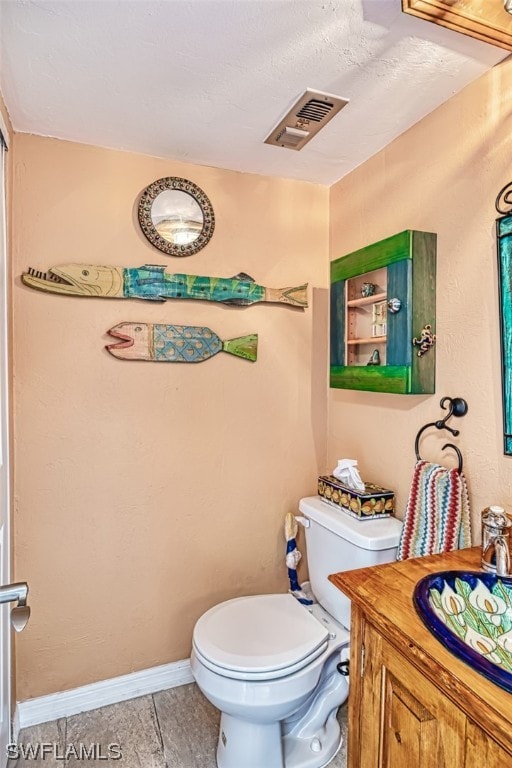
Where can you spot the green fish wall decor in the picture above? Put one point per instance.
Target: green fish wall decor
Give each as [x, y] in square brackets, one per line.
[176, 343]
[153, 283]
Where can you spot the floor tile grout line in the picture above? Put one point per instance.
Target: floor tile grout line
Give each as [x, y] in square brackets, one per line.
[66, 737]
[159, 729]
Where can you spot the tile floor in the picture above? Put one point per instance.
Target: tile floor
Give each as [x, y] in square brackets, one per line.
[176, 728]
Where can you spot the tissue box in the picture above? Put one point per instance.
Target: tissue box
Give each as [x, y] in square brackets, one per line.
[374, 502]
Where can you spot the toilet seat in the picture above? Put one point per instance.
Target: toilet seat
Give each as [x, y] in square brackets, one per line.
[250, 677]
[259, 637]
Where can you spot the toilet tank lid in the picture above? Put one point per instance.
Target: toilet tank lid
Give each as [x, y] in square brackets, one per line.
[367, 534]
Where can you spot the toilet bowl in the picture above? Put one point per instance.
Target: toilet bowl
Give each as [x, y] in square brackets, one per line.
[261, 660]
[272, 665]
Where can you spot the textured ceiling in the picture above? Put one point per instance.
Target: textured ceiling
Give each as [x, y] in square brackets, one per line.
[204, 81]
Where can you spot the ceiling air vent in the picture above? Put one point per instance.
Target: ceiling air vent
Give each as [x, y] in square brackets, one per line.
[308, 115]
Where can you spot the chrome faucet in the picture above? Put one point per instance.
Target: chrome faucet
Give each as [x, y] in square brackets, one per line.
[495, 541]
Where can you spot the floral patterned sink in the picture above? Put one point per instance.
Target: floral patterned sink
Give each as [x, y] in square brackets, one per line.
[471, 614]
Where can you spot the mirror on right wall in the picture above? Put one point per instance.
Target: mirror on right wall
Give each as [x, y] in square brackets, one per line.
[504, 243]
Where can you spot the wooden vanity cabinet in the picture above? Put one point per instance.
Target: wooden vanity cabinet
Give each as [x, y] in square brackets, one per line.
[412, 704]
[416, 725]
[482, 751]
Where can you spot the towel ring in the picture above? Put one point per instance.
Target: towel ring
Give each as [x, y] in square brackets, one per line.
[445, 446]
[457, 451]
[457, 407]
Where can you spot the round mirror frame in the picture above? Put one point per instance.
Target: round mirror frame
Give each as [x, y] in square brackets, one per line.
[180, 185]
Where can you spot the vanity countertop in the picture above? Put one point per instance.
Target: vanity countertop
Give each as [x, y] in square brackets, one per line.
[384, 594]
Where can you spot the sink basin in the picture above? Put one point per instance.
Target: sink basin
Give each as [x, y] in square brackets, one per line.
[470, 613]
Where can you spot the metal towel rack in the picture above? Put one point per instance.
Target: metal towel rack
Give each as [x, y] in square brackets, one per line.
[457, 406]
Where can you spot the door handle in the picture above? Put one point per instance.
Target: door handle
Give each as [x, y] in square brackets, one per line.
[20, 614]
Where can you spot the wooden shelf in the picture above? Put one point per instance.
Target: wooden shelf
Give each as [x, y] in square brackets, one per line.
[374, 340]
[480, 19]
[366, 300]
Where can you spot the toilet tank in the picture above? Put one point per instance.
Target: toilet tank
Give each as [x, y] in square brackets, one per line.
[335, 542]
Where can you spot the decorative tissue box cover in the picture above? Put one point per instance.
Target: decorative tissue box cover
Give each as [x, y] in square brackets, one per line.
[374, 502]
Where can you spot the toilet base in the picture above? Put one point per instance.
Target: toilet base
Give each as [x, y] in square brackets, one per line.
[253, 745]
[312, 735]
[314, 752]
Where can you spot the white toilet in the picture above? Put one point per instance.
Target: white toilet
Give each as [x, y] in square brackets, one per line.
[271, 664]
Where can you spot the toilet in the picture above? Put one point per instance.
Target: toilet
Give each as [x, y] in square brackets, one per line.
[277, 669]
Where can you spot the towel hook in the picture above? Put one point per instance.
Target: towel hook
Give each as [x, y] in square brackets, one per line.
[458, 407]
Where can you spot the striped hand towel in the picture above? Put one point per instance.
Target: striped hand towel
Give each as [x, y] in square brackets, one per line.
[437, 517]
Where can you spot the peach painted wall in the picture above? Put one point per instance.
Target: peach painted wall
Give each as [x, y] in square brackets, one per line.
[146, 492]
[443, 176]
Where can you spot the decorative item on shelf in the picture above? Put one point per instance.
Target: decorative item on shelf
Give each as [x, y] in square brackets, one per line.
[403, 270]
[176, 216]
[504, 246]
[368, 289]
[379, 324]
[176, 343]
[426, 341]
[374, 358]
[152, 282]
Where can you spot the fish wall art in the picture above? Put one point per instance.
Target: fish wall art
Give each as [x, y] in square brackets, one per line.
[153, 283]
[176, 343]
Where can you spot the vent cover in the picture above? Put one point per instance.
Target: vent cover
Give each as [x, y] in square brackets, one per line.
[308, 115]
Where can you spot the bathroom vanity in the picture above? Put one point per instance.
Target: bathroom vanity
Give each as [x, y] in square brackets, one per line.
[412, 703]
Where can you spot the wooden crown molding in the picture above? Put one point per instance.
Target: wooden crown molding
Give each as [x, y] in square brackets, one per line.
[485, 20]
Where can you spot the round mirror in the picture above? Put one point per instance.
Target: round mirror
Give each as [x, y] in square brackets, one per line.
[176, 216]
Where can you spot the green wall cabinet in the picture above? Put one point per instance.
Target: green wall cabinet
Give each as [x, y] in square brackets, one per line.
[363, 326]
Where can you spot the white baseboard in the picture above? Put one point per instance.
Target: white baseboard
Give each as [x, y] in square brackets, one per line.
[66, 703]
